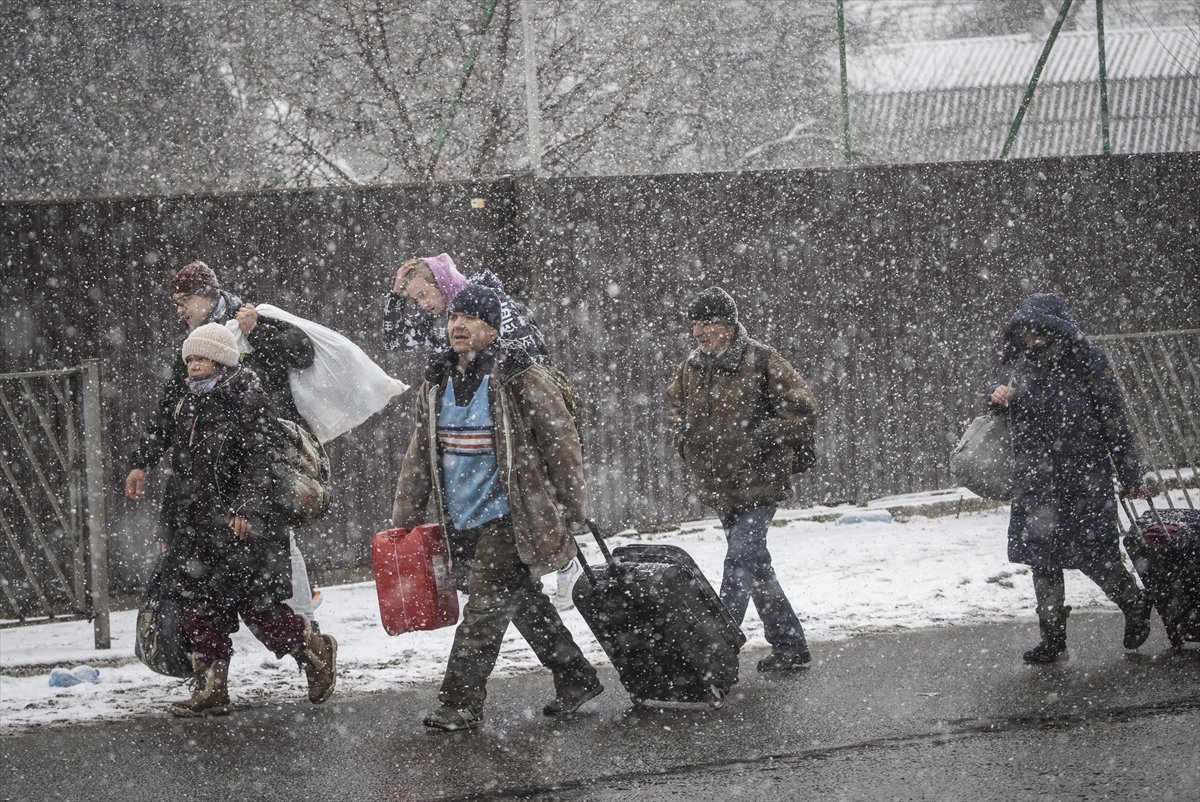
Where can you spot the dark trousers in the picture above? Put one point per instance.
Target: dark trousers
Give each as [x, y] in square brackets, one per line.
[209, 626]
[1049, 587]
[749, 575]
[502, 590]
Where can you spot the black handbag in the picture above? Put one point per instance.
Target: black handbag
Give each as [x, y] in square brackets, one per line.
[161, 642]
[982, 461]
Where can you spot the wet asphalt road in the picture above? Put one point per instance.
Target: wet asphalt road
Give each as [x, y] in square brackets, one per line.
[945, 714]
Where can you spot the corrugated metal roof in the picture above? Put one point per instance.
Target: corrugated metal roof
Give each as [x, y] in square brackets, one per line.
[1147, 115]
[1009, 60]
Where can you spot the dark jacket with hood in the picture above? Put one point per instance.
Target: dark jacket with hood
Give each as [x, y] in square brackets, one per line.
[222, 446]
[734, 429]
[278, 348]
[1068, 419]
[538, 452]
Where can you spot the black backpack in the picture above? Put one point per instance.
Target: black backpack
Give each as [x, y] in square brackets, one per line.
[804, 452]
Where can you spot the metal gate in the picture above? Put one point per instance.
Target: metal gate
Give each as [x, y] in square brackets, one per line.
[54, 549]
[1159, 375]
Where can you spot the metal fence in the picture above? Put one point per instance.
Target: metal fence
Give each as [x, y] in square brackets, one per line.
[1160, 379]
[52, 509]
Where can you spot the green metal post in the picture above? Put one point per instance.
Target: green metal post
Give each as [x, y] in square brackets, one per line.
[462, 87]
[1033, 81]
[841, 26]
[1104, 140]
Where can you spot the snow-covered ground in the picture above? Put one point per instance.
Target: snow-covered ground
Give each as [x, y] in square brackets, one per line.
[843, 578]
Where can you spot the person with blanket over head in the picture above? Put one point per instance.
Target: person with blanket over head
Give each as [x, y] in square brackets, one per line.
[414, 312]
[1070, 435]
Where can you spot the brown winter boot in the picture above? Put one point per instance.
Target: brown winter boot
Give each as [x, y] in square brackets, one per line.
[210, 697]
[318, 658]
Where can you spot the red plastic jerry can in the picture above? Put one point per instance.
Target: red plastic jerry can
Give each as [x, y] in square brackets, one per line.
[413, 579]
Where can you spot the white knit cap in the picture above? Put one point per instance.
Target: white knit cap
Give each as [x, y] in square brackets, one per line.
[212, 341]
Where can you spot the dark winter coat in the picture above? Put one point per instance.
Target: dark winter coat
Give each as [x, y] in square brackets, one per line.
[222, 448]
[537, 448]
[1067, 419]
[736, 440]
[278, 348]
[407, 328]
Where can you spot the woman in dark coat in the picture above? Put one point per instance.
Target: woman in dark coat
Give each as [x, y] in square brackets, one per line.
[226, 539]
[1070, 432]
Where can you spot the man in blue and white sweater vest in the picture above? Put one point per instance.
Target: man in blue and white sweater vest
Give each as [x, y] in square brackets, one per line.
[498, 451]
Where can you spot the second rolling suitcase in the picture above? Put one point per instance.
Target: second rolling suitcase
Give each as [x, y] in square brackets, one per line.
[661, 623]
[1164, 546]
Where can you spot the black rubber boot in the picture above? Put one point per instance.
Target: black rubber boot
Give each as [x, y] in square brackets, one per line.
[1054, 638]
[1137, 621]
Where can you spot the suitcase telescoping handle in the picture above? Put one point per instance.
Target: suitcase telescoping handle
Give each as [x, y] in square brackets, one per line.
[1130, 512]
[608, 558]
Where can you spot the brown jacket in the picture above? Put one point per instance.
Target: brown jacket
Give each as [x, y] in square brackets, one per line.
[537, 448]
[731, 434]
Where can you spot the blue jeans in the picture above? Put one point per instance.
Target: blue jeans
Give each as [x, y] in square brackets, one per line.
[750, 575]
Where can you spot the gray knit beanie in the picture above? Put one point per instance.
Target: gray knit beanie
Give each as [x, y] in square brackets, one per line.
[213, 341]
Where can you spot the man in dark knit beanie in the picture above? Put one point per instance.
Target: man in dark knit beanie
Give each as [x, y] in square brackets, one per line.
[496, 445]
[714, 305]
[194, 278]
[738, 409]
[478, 301]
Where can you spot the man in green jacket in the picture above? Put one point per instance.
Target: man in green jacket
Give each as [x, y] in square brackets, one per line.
[497, 449]
[736, 409]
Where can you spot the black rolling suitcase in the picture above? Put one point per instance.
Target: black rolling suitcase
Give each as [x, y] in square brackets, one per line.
[1164, 546]
[661, 623]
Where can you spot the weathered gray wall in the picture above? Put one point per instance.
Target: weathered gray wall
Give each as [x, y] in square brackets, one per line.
[886, 286]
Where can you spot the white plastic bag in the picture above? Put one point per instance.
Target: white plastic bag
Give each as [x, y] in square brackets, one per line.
[343, 386]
